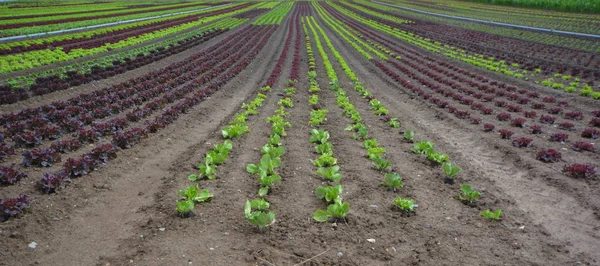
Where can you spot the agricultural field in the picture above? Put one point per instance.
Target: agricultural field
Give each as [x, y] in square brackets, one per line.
[299, 133]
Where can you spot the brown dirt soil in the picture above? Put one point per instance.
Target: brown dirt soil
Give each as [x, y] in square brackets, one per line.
[124, 214]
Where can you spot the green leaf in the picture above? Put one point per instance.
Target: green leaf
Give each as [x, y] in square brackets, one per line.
[330, 173]
[184, 206]
[193, 177]
[338, 209]
[263, 191]
[259, 204]
[324, 148]
[497, 215]
[329, 193]
[321, 216]
[203, 196]
[392, 181]
[450, 170]
[405, 204]
[252, 168]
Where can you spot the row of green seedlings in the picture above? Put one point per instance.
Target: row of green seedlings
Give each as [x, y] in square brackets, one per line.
[392, 180]
[217, 156]
[468, 194]
[326, 163]
[257, 211]
[375, 153]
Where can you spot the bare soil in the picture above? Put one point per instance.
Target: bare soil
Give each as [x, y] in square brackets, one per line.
[123, 214]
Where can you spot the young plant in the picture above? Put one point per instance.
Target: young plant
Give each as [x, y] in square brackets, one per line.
[409, 135]
[325, 160]
[422, 147]
[206, 170]
[287, 102]
[337, 210]
[194, 194]
[313, 99]
[329, 193]
[392, 181]
[330, 173]
[318, 116]
[318, 136]
[436, 157]
[406, 205]
[381, 164]
[393, 122]
[468, 194]
[497, 215]
[325, 148]
[257, 213]
[185, 208]
[450, 171]
[234, 131]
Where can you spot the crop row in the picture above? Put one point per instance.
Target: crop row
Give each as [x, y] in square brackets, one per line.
[374, 152]
[77, 74]
[436, 47]
[432, 71]
[22, 28]
[255, 210]
[32, 59]
[544, 57]
[98, 37]
[215, 78]
[541, 18]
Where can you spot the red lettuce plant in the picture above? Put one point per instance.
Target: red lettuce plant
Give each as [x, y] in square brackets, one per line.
[13, 207]
[579, 170]
[548, 156]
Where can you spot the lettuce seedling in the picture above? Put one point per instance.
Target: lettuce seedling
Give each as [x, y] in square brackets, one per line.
[289, 91]
[259, 218]
[220, 153]
[206, 170]
[422, 147]
[381, 164]
[370, 143]
[313, 99]
[409, 135]
[287, 102]
[325, 160]
[272, 151]
[259, 204]
[318, 116]
[325, 148]
[330, 193]
[468, 194]
[266, 181]
[318, 136]
[234, 131]
[361, 132]
[275, 140]
[436, 157]
[330, 173]
[194, 194]
[185, 208]
[407, 205]
[450, 171]
[375, 152]
[497, 215]
[337, 210]
[393, 122]
[392, 181]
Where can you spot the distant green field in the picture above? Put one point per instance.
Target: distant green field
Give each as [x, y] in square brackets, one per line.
[587, 6]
